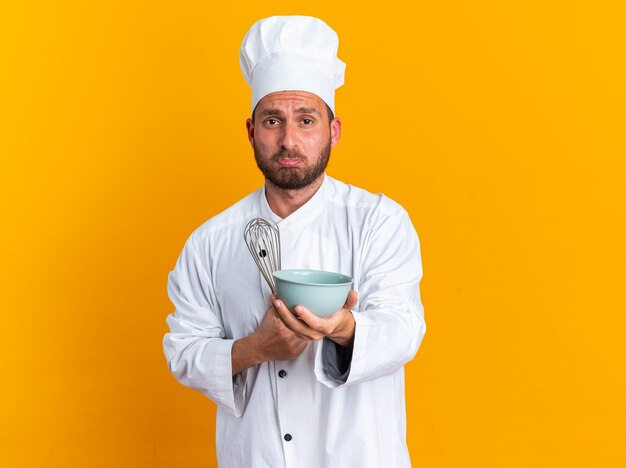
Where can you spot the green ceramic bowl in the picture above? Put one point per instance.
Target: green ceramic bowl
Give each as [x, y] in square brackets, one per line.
[322, 292]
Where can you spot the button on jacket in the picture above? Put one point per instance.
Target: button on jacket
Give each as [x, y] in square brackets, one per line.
[327, 408]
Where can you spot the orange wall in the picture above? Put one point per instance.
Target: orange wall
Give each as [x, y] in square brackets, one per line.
[498, 125]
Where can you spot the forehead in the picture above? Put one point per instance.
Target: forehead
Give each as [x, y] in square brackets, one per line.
[290, 101]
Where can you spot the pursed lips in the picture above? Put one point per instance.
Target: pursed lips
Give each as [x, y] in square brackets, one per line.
[286, 162]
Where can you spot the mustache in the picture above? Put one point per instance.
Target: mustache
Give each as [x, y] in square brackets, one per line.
[286, 154]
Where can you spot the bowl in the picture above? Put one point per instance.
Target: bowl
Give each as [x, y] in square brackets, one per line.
[322, 292]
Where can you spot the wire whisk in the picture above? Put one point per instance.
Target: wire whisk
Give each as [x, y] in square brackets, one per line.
[263, 240]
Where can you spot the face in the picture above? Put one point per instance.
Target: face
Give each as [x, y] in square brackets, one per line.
[292, 137]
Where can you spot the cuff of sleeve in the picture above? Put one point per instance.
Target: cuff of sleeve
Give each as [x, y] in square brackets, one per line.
[337, 360]
[231, 389]
[335, 365]
[359, 348]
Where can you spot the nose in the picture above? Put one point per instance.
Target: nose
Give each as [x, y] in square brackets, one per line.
[289, 137]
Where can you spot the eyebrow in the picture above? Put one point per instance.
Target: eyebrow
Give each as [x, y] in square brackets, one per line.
[308, 110]
[299, 110]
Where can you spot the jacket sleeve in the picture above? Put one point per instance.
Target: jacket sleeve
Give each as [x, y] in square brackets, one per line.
[389, 317]
[197, 351]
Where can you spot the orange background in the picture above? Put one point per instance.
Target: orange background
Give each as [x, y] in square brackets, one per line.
[498, 125]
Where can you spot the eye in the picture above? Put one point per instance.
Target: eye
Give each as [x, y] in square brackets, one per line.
[271, 122]
[307, 121]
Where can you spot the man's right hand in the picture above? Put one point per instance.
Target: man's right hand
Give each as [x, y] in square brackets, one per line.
[273, 341]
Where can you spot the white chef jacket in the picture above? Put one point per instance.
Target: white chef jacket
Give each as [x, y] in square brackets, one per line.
[302, 413]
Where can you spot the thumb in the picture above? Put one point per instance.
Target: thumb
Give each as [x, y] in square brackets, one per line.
[351, 300]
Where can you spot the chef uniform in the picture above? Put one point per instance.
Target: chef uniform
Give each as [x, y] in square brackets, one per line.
[331, 406]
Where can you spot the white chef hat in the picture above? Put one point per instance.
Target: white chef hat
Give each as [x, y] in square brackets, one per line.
[296, 53]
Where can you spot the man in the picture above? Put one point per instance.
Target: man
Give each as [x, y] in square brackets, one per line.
[299, 391]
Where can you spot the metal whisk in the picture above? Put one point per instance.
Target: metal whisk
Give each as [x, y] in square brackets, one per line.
[263, 240]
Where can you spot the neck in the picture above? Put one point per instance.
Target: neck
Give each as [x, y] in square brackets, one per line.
[283, 202]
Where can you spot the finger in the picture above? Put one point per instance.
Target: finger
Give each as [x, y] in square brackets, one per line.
[283, 312]
[317, 323]
[309, 318]
[302, 337]
[295, 325]
[351, 300]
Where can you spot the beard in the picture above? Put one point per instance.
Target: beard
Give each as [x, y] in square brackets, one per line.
[291, 178]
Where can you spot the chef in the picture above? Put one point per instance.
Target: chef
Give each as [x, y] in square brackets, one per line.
[297, 390]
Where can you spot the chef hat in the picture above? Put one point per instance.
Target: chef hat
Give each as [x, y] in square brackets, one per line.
[296, 53]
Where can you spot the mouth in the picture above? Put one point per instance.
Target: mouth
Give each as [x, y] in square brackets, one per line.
[287, 162]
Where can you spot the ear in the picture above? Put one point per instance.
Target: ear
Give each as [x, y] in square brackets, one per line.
[335, 131]
[250, 129]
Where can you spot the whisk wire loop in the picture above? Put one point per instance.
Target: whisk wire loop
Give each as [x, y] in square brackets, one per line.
[263, 240]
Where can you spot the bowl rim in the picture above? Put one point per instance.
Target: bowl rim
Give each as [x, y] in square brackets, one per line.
[348, 279]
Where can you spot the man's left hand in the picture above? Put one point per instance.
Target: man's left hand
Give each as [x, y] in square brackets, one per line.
[338, 326]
